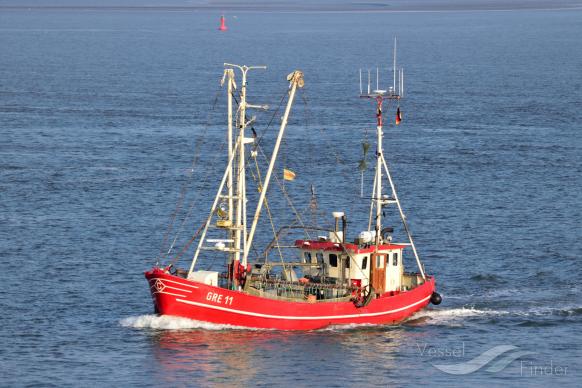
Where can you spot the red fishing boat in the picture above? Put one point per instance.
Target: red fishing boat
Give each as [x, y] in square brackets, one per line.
[335, 281]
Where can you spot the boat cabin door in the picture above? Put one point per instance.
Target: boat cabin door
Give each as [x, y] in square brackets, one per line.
[379, 272]
[394, 271]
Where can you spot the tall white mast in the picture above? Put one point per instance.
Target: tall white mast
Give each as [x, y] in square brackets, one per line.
[240, 234]
[229, 76]
[378, 200]
[379, 172]
[241, 225]
[230, 91]
[236, 157]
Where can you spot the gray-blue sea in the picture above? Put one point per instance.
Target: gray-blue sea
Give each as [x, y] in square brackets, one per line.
[101, 116]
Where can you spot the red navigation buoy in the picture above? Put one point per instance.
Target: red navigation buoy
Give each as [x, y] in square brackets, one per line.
[222, 24]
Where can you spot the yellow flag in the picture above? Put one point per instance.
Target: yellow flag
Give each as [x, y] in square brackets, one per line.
[288, 175]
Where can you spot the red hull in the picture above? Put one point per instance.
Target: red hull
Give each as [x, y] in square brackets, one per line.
[173, 295]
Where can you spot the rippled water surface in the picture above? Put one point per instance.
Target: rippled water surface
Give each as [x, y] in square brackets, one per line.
[100, 113]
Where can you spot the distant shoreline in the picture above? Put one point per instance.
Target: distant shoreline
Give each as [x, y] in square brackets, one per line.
[315, 8]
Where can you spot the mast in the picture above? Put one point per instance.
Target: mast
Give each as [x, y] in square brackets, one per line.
[240, 229]
[378, 178]
[379, 96]
[229, 77]
[241, 189]
[378, 199]
[296, 79]
[237, 232]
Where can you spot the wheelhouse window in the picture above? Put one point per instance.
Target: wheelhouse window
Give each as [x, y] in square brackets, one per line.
[307, 256]
[348, 260]
[319, 256]
[395, 259]
[333, 260]
[380, 261]
[364, 262]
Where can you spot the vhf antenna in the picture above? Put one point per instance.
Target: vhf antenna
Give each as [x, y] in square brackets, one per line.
[394, 92]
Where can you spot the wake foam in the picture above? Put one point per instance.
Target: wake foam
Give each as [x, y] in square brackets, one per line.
[452, 315]
[436, 316]
[563, 311]
[570, 312]
[350, 326]
[166, 322]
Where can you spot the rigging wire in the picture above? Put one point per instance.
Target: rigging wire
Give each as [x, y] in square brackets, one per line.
[286, 195]
[312, 208]
[181, 199]
[192, 204]
[187, 245]
[185, 185]
[246, 162]
[200, 142]
[334, 152]
[257, 147]
[260, 186]
[357, 192]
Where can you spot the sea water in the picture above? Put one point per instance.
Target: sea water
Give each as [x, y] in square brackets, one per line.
[101, 115]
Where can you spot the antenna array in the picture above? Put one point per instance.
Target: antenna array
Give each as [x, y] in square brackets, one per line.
[394, 91]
